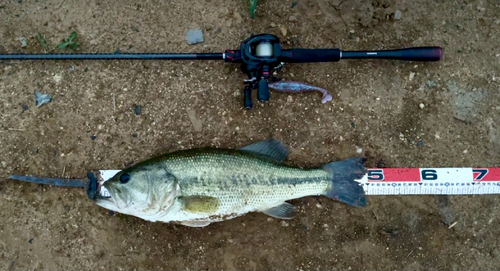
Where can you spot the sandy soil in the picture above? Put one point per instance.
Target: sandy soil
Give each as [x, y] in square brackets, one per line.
[375, 108]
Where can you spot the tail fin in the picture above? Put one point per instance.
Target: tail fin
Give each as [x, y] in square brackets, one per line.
[344, 188]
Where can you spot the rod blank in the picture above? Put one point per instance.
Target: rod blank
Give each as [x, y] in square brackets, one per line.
[107, 56]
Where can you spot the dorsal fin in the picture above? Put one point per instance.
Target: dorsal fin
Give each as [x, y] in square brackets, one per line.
[271, 148]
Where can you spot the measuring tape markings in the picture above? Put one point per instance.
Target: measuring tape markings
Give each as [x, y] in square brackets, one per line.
[413, 181]
[425, 181]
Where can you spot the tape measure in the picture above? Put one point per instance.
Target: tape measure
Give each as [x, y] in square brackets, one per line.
[431, 181]
[413, 181]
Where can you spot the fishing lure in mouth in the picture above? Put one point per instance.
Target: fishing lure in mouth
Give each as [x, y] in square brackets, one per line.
[297, 87]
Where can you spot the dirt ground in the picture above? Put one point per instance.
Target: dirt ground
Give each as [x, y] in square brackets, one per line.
[375, 108]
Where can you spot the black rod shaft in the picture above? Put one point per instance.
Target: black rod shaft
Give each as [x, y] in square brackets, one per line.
[412, 54]
[107, 56]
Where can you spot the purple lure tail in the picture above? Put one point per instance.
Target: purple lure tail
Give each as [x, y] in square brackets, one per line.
[296, 87]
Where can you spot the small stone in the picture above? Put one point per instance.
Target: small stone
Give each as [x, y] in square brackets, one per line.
[194, 36]
[197, 124]
[420, 143]
[237, 17]
[398, 15]
[358, 149]
[421, 106]
[284, 224]
[431, 83]
[273, 25]
[412, 75]
[24, 106]
[283, 31]
[292, 18]
[42, 98]
[289, 99]
[23, 41]
[466, 151]
[57, 78]
[137, 109]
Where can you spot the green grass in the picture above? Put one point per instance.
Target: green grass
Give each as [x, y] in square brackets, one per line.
[69, 42]
[41, 40]
[253, 6]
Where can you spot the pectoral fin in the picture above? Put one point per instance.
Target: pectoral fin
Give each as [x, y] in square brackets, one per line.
[282, 211]
[199, 204]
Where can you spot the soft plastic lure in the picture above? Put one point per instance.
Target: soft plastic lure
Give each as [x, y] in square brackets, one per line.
[293, 86]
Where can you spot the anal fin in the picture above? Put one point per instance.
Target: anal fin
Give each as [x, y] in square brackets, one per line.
[282, 211]
[195, 223]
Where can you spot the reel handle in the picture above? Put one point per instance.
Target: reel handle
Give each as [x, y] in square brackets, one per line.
[263, 91]
[408, 54]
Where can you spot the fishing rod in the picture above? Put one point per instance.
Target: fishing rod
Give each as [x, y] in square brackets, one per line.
[260, 56]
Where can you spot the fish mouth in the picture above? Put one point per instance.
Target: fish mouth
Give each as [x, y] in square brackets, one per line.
[118, 199]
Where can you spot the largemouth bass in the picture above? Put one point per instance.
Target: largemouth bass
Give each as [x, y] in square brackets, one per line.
[199, 186]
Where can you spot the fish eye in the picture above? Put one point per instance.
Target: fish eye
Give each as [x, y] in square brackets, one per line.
[124, 178]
